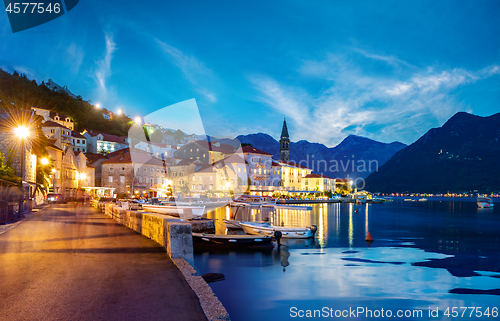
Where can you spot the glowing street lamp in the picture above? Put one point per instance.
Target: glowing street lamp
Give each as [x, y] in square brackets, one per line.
[138, 120]
[119, 111]
[98, 106]
[23, 133]
[44, 161]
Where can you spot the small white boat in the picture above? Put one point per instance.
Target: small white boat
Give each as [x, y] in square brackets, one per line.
[254, 228]
[184, 212]
[484, 202]
[423, 199]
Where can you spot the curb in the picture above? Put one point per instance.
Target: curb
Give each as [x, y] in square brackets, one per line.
[211, 305]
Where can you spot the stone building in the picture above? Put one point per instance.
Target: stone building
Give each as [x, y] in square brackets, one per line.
[204, 151]
[103, 143]
[134, 174]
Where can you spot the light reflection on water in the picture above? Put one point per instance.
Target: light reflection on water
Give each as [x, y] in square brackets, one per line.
[422, 251]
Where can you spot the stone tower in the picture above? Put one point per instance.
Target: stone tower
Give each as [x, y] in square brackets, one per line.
[284, 143]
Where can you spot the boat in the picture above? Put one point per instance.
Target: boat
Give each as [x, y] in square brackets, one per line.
[221, 240]
[232, 224]
[252, 200]
[484, 202]
[182, 211]
[255, 228]
[360, 199]
[423, 199]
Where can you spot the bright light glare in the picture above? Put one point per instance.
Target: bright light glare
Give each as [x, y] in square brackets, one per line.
[22, 131]
[98, 106]
[137, 120]
[53, 170]
[119, 112]
[83, 176]
[44, 161]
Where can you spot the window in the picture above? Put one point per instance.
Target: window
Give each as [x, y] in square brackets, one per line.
[194, 178]
[181, 174]
[140, 179]
[193, 186]
[78, 141]
[182, 182]
[111, 179]
[52, 131]
[111, 169]
[122, 179]
[239, 170]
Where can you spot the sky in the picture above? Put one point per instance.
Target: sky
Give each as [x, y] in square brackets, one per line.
[386, 70]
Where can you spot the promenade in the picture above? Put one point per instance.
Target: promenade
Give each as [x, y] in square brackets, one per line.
[73, 263]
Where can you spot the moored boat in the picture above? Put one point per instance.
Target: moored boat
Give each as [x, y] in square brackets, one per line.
[266, 228]
[484, 202]
[185, 212]
[221, 240]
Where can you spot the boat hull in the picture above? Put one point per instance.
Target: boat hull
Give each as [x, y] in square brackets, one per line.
[232, 241]
[286, 232]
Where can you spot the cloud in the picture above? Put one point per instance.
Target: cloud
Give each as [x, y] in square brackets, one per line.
[74, 56]
[103, 70]
[398, 106]
[193, 69]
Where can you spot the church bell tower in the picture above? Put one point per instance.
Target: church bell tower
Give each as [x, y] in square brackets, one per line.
[284, 143]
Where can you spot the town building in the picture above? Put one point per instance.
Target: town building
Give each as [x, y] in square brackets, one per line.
[103, 143]
[64, 120]
[292, 175]
[79, 142]
[162, 151]
[135, 173]
[62, 134]
[318, 182]
[205, 151]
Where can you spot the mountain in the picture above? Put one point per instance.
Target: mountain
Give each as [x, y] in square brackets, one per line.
[365, 154]
[462, 155]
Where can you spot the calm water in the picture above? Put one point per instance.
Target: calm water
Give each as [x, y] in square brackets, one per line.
[438, 254]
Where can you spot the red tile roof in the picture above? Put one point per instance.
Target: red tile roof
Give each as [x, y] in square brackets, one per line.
[317, 176]
[50, 123]
[232, 159]
[253, 150]
[77, 135]
[129, 158]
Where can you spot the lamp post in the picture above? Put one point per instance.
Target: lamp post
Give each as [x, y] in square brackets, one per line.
[22, 132]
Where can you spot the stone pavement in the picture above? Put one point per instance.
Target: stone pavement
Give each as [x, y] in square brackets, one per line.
[72, 263]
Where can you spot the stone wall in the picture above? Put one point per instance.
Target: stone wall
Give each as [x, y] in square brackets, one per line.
[173, 234]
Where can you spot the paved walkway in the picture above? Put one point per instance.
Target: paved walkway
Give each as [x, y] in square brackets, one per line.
[68, 263]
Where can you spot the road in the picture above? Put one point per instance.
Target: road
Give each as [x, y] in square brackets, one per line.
[73, 263]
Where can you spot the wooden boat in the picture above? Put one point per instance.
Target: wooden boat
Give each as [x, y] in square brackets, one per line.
[184, 212]
[254, 228]
[484, 202]
[221, 240]
[232, 224]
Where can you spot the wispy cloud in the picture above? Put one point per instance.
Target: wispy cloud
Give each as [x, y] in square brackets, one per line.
[193, 69]
[386, 108]
[74, 57]
[103, 70]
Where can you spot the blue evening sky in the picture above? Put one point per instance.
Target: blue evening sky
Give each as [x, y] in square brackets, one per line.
[387, 70]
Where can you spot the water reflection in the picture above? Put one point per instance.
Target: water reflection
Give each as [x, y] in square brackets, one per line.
[438, 253]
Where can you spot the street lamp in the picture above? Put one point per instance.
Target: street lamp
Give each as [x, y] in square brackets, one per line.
[98, 106]
[22, 132]
[44, 161]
